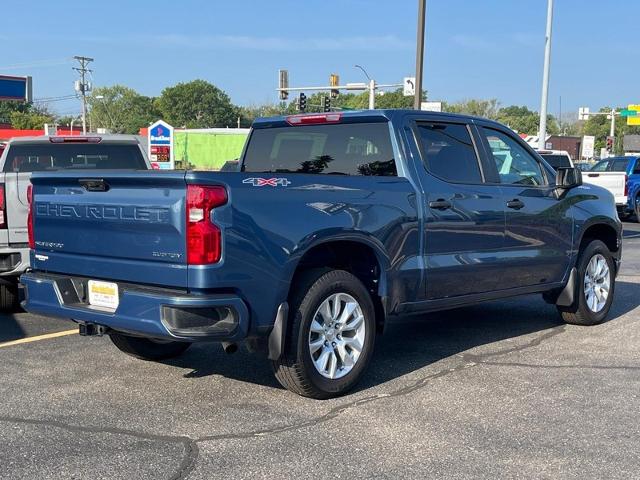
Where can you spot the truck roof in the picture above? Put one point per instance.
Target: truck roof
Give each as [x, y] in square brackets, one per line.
[365, 115]
[45, 139]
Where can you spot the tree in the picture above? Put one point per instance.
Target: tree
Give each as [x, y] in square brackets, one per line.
[31, 117]
[121, 109]
[479, 108]
[197, 104]
[523, 120]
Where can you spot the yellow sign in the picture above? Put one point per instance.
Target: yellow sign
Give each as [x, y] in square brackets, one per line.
[634, 120]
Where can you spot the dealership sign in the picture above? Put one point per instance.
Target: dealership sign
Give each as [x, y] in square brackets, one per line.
[15, 88]
[161, 146]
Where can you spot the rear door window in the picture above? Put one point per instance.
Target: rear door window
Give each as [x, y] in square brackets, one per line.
[448, 152]
[339, 149]
[69, 156]
[620, 165]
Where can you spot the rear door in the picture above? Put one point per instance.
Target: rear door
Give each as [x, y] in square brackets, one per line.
[539, 222]
[111, 225]
[464, 225]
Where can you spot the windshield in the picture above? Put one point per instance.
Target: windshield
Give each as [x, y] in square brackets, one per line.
[65, 156]
[342, 149]
[557, 161]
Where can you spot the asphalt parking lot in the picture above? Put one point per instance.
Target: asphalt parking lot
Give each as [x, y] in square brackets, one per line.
[502, 389]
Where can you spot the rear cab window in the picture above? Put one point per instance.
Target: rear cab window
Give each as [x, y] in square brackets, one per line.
[38, 157]
[332, 149]
[557, 161]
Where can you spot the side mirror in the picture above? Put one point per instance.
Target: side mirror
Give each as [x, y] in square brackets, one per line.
[568, 177]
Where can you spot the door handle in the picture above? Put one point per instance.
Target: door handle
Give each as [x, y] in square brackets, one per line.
[516, 204]
[440, 204]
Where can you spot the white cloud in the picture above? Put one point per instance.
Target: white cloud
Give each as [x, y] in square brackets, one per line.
[247, 42]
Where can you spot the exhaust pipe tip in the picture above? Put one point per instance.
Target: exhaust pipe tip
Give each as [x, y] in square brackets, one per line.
[229, 347]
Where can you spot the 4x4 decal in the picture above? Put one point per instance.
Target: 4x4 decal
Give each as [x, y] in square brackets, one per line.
[267, 182]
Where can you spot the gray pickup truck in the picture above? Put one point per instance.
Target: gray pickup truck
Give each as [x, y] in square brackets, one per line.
[22, 157]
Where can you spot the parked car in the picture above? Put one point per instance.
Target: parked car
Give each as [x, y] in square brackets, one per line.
[557, 158]
[26, 155]
[621, 176]
[335, 225]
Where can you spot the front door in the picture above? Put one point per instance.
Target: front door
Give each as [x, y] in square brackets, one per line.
[464, 215]
[538, 235]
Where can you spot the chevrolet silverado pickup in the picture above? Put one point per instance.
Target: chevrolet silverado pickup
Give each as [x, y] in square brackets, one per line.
[22, 157]
[333, 226]
[621, 176]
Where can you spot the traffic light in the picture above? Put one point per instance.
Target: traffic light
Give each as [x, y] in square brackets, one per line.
[283, 83]
[610, 144]
[334, 81]
[326, 104]
[302, 102]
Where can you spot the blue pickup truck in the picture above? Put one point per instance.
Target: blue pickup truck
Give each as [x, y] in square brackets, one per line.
[333, 226]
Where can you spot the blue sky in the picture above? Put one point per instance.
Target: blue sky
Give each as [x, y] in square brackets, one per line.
[474, 48]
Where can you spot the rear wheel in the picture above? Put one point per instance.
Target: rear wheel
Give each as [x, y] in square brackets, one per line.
[330, 335]
[596, 284]
[147, 349]
[9, 297]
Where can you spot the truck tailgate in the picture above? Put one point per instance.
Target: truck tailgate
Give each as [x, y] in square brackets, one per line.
[126, 226]
[615, 182]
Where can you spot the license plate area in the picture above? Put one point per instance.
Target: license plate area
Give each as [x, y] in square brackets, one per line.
[103, 294]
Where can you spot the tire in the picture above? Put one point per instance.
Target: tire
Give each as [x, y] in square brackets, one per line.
[147, 349]
[582, 311]
[9, 298]
[636, 209]
[338, 341]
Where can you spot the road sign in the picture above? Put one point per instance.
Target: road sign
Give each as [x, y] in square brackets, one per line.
[15, 88]
[409, 86]
[161, 146]
[431, 106]
[583, 113]
[633, 120]
[628, 113]
[588, 142]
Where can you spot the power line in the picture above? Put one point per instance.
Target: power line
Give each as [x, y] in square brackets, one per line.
[82, 86]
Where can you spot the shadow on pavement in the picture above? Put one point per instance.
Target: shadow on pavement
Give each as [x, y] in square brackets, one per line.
[415, 342]
[10, 329]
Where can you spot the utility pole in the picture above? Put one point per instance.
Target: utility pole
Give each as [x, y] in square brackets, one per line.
[417, 99]
[82, 86]
[545, 78]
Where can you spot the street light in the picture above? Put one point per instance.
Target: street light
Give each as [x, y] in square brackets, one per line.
[372, 88]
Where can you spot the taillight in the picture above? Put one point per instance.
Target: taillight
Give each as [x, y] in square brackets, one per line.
[204, 241]
[3, 215]
[32, 242]
[626, 185]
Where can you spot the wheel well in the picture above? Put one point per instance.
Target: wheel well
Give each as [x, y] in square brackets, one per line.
[602, 232]
[354, 257]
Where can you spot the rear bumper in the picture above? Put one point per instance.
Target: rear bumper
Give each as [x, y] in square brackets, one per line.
[13, 261]
[142, 311]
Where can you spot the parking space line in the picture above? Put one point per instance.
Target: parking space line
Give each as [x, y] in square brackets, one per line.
[37, 338]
